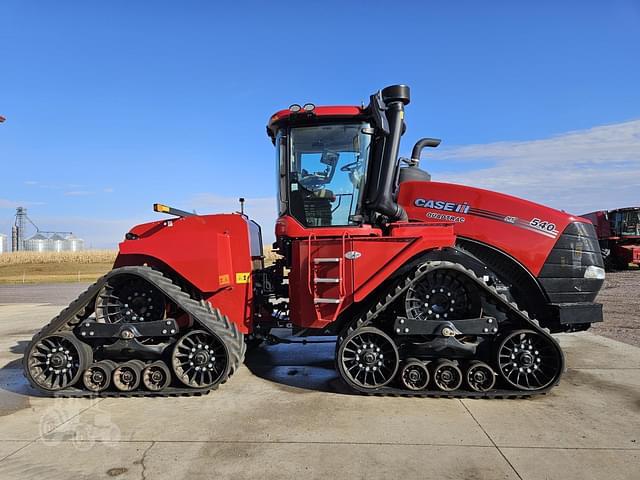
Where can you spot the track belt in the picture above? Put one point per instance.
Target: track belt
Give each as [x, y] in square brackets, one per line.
[510, 309]
[207, 317]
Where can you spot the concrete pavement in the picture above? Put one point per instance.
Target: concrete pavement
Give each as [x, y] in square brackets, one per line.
[288, 418]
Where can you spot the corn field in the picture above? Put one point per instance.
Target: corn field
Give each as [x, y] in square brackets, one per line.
[83, 257]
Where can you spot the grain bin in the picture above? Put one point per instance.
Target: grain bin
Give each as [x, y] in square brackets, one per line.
[37, 243]
[74, 244]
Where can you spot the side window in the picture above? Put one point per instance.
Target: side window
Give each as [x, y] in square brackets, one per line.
[281, 172]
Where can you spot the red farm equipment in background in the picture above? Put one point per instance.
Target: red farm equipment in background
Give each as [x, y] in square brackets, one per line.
[428, 288]
[619, 236]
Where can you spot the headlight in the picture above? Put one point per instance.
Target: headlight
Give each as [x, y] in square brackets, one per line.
[594, 272]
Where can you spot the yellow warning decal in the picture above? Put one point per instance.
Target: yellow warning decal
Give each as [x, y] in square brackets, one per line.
[243, 277]
[224, 279]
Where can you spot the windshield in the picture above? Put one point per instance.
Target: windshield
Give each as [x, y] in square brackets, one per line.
[629, 222]
[327, 173]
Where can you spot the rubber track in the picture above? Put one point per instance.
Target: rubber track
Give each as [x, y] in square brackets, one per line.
[503, 304]
[208, 318]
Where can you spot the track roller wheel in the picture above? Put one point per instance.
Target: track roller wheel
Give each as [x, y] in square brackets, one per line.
[414, 374]
[156, 376]
[447, 375]
[367, 358]
[97, 377]
[480, 376]
[200, 359]
[126, 376]
[56, 361]
[529, 360]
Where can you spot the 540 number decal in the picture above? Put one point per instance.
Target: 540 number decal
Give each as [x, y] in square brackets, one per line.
[543, 225]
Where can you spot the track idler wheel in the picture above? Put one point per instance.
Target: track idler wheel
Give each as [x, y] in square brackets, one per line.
[200, 359]
[97, 377]
[126, 376]
[55, 362]
[156, 376]
[480, 376]
[529, 360]
[447, 376]
[414, 375]
[367, 358]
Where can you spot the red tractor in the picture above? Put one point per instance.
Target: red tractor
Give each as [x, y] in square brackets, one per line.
[619, 235]
[429, 288]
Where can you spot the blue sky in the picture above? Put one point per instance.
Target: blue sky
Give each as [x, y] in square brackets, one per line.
[112, 106]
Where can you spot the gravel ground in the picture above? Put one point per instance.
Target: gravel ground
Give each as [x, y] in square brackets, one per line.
[620, 297]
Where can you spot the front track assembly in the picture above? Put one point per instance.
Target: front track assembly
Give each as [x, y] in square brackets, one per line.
[118, 339]
[418, 340]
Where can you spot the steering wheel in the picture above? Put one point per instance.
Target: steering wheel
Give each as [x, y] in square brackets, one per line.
[350, 167]
[312, 182]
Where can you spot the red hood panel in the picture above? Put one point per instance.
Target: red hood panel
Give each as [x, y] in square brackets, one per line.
[524, 230]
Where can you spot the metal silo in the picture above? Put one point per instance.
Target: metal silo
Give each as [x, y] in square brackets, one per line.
[37, 243]
[74, 244]
[3, 243]
[58, 243]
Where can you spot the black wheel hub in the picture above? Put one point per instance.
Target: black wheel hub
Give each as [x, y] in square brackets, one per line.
[59, 360]
[97, 376]
[442, 295]
[529, 360]
[129, 299]
[479, 376]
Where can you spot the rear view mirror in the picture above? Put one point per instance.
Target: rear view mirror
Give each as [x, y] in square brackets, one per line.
[329, 158]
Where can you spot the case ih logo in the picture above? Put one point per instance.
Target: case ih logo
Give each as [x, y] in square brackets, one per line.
[442, 205]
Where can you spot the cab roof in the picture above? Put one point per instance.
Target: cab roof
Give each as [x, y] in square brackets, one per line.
[336, 111]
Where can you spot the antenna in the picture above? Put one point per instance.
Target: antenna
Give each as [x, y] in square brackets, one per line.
[241, 206]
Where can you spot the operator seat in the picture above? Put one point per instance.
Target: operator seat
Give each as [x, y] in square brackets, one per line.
[312, 208]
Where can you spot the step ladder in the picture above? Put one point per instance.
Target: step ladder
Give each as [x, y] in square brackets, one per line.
[317, 279]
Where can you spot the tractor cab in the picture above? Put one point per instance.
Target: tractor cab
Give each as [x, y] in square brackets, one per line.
[337, 166]
[625, 222]
[322, 171]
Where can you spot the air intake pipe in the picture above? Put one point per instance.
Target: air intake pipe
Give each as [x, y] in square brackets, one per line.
[389, 103]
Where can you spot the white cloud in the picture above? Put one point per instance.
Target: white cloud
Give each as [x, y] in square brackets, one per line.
[578, 171]
[5, 203]
[78, 193]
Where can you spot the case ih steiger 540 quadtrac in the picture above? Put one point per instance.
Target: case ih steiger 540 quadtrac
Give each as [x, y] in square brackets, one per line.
[430, 288]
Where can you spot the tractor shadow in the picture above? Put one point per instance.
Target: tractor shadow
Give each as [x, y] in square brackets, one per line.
[308, 366]
[11, 377]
